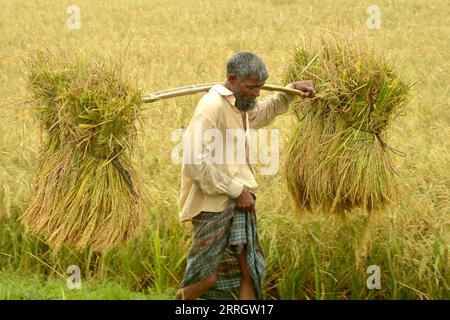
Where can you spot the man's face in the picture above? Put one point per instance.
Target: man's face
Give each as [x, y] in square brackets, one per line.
[246, 91]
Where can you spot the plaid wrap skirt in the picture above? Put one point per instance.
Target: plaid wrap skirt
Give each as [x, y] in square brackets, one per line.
[218, 238]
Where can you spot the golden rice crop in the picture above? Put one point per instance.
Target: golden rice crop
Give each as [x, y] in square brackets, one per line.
[337, 158]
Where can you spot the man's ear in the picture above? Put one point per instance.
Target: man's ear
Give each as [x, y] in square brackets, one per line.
[232, 78]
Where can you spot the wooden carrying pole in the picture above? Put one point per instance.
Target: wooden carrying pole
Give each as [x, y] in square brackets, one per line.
[192, 89]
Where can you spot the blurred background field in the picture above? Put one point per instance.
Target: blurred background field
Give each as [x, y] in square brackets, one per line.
[172, 43]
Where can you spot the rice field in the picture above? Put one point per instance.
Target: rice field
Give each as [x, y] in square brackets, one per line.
[165, 44]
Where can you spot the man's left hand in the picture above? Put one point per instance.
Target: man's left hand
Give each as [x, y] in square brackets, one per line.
[305, 86]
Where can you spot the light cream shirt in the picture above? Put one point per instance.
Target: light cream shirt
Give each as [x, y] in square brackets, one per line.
[209, 183]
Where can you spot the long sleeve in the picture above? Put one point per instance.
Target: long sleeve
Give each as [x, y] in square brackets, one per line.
[197, 164]
[267, 109]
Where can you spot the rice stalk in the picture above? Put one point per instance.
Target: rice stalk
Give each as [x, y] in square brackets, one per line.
[337, 158]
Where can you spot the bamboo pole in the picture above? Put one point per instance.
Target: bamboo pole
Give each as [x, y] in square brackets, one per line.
[193, 89]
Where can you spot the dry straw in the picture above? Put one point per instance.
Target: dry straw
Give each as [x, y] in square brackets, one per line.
[87, 190]
[337, 158]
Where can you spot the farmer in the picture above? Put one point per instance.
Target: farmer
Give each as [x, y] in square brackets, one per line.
[218, 193]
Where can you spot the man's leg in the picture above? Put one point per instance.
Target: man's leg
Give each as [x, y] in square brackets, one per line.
[246, 290]
[196, 290]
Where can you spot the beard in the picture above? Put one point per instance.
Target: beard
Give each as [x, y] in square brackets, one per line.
[244, 104]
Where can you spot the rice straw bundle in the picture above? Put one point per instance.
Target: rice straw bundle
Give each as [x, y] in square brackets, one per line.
[87, 191]
[337, 158]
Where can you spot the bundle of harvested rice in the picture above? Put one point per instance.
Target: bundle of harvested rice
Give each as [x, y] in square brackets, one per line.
[87, 190]
[337, 159]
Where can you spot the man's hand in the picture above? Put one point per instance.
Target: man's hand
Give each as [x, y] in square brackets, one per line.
[245, 202]
[305, 86]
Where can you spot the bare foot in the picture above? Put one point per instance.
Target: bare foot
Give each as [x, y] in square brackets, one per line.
[197, 289]
[246, 290]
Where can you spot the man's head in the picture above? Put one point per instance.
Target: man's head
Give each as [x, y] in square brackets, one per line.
[246, 74]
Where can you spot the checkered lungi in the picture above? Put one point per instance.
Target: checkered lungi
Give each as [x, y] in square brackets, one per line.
[218, 238]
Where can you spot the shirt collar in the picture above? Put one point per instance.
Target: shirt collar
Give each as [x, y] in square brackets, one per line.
[224, 92]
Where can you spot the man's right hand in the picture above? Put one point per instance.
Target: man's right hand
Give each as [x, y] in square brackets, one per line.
[305, 86]
[245, 202]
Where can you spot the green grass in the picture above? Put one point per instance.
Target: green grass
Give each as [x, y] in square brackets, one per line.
[16, 286]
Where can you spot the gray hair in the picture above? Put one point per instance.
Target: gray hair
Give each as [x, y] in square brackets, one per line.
[246, 64]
